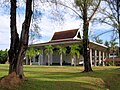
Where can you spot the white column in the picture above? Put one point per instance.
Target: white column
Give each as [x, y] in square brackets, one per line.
[26, 60]
[95, 58]
[34, 59]
[61, 60]
[51, 58]
[99, 57]
[48, 59]
[91, 56]
[103, 58]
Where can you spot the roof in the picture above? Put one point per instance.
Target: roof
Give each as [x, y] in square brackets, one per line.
[59, 42]
[65, 34]
[99, 44]
[111, 59]
[70, 41]
[69, 37]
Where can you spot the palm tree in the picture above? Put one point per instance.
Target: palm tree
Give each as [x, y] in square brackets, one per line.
[98, 40]
[113, 48]
[30, 53]
[75, 51]
[108, 49]
[48, 51]
[61, 51]
[38, 52]
[106, 43]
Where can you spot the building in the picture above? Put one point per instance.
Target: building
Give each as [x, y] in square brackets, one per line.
[98, 52]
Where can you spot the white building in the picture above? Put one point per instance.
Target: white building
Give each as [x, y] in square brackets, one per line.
[98, 52]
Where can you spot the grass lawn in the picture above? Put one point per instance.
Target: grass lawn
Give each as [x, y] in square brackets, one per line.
[68, 78]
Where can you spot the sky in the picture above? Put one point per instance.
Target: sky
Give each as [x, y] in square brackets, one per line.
[47, 26]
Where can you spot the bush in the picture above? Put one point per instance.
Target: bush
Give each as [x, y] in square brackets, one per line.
[3, 56]
[116, 63]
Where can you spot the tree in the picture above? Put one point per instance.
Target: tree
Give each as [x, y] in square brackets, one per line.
[112, 16]
[48, 51]
[75, 52]
[113, 48]
[30, 53]
[3, 56]
[85, 9]
[61, 51]
[18, 45]
[108, 48]
[38, 51]
[106, 43]
[88, 9]
[98, 40]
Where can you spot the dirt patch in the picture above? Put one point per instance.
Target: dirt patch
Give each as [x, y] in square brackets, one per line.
[10, 81]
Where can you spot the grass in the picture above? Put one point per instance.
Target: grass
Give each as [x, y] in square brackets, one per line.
[68, 78]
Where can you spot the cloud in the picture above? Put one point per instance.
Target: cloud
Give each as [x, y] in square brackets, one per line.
[4, 32]
[48, 26]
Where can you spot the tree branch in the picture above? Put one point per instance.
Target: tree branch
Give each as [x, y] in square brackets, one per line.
[104, 33]
[94, 11]
[69, 8]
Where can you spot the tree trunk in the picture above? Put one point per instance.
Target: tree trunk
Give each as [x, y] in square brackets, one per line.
[74, 60]
[119, 42]
[14, 38]
[30, 61]
[119, 36]
[48, 59]
[87, 65]
[118, 19]
[19, 46]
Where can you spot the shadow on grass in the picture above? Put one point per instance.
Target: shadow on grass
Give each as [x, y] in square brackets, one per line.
[68, 78]
[110, 77]
[56, 85]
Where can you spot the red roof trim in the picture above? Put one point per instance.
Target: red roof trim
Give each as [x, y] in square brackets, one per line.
[111, 59]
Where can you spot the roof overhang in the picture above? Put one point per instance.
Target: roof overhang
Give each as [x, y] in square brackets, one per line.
[92, 45]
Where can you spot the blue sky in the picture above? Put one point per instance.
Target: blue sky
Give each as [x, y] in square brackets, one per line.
[48, 27]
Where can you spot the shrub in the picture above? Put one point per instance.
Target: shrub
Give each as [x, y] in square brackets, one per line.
[116, 63]
[3, 56]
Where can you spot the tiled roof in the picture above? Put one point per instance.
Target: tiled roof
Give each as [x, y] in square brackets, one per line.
[69, 37]
[111, 59]
[64, 34]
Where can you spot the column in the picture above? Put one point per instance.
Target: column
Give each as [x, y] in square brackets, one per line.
[99, 58]
[48, 59]
[42, 58]
[34, 59]
[95, 58]
[39, 60]
[51, 58]
[103, 58]
[91, 56]
[26, 60]
[61, 60]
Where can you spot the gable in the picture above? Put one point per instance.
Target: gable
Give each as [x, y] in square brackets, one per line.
[68, 34]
